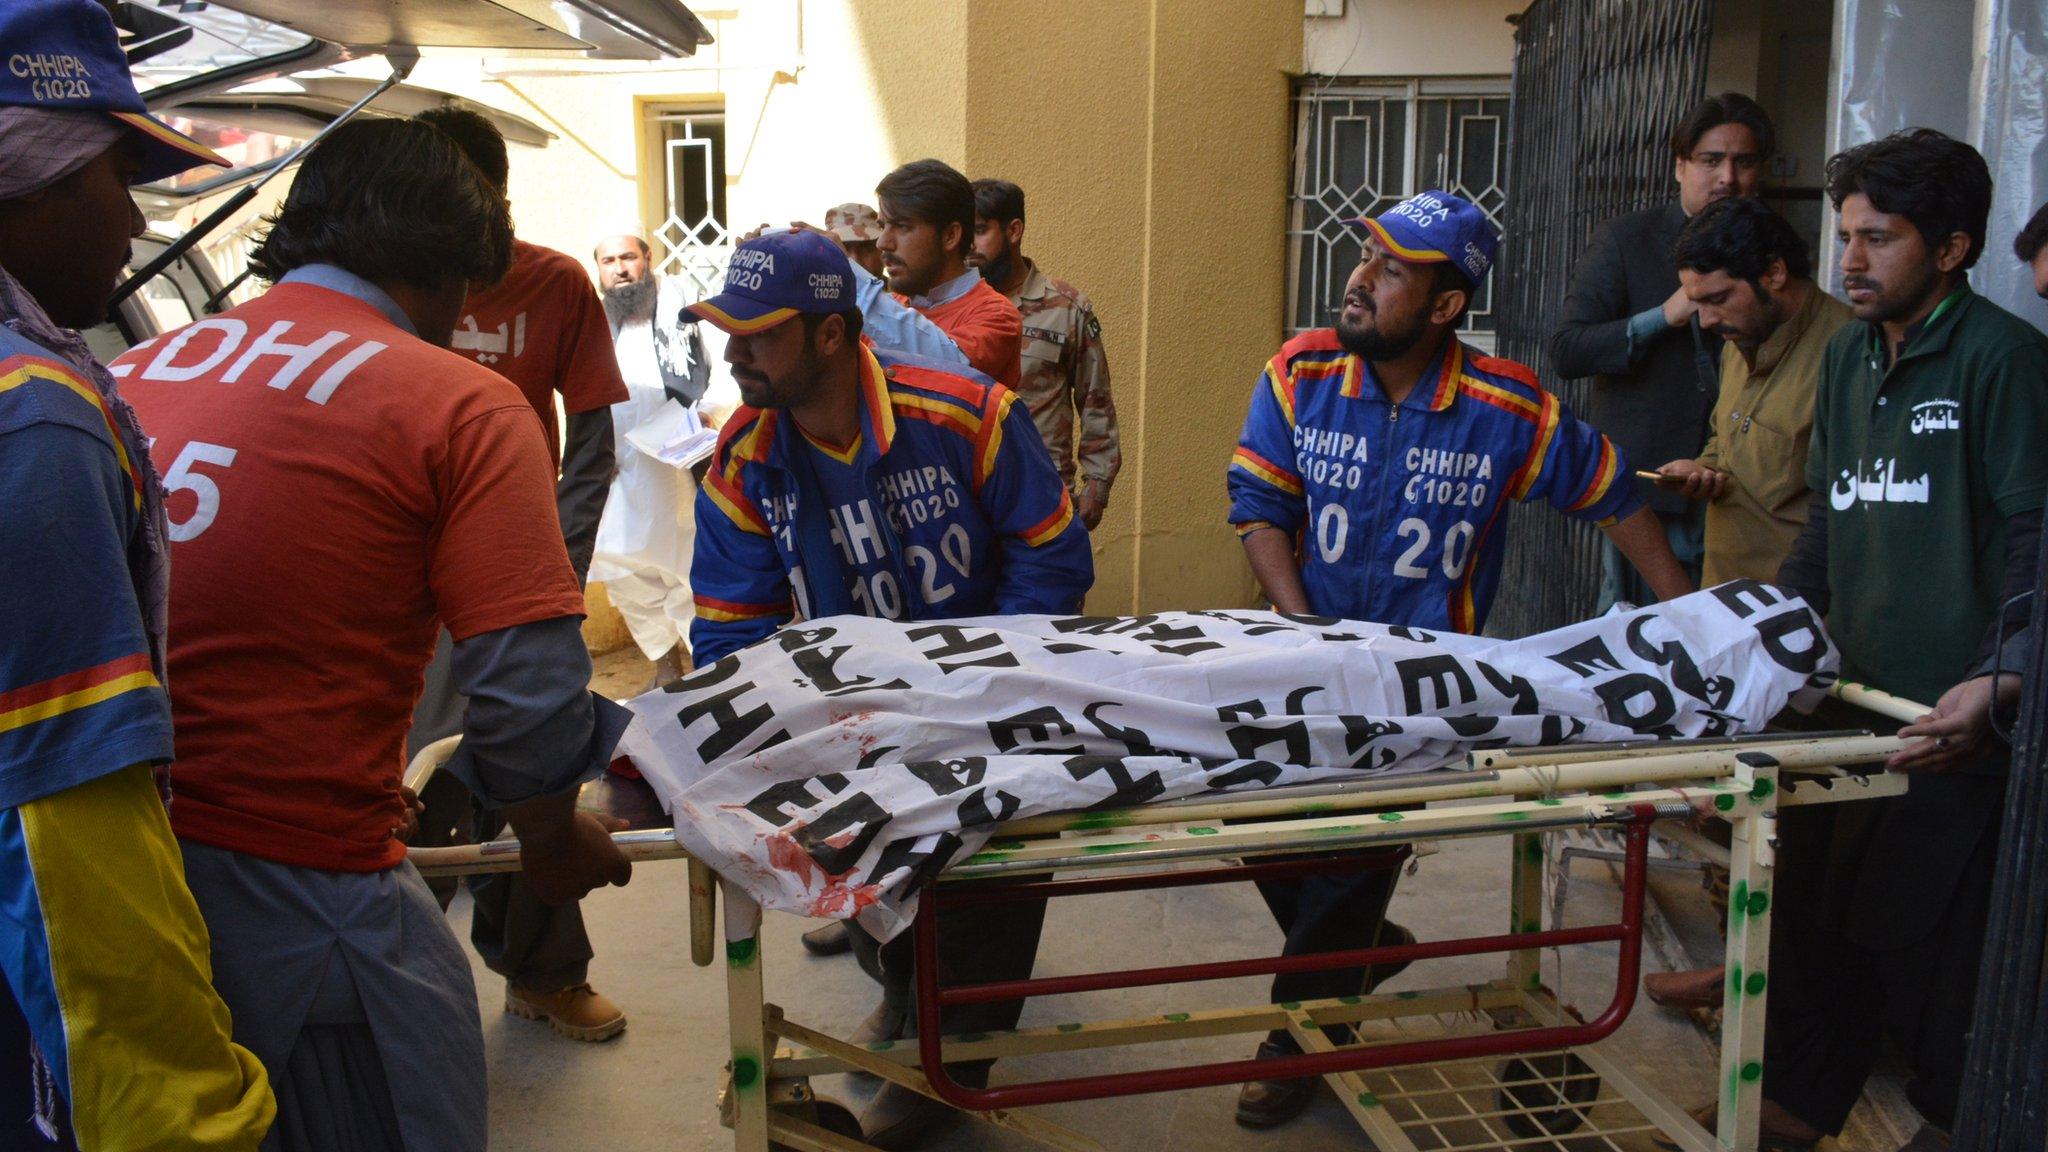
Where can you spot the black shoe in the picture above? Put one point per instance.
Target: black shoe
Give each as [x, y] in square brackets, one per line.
[1270, 1103]
[1390, 935]
[831, 940]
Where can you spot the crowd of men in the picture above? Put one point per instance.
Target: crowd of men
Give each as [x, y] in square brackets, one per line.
[914, 422]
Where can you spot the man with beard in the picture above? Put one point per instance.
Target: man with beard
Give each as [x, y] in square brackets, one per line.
[1370, 483]
[643, 543]
[1627, 324]
[927, 233]
[1746, 272]
[111, 1033]
[1064, 374]
[1928, 481]
[854, 480]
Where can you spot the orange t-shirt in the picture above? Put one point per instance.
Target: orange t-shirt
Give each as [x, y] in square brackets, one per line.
[338, 488]
[986, 326]
[543, 328]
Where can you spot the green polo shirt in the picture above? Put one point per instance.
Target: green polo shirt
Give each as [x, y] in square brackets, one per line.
[1922, 463]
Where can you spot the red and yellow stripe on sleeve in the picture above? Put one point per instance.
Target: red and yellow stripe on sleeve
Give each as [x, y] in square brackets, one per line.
[991, 440]
[1266, 470]
[1049, 528]
[731, 611]
[16, 371]
[1603, 478]
[75, 690]
[725, 491]
[1540, 444]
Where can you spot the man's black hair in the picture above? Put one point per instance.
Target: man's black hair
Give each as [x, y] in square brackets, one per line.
[478, 138]
[1938, 182]
[393, 201]
[931, 192]
[812, 321]
[1727, 108]
[998, 200]
[2027, 244]
[1741, 237]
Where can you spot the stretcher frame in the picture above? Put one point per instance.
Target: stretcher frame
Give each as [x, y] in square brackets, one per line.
[1521, 793]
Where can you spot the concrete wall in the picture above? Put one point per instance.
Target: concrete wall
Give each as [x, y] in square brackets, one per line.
[1413, 38]
[1152, 142]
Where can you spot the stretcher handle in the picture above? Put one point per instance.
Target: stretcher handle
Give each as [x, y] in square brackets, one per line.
[1879, 701]
[503, 856]
[1628, 931]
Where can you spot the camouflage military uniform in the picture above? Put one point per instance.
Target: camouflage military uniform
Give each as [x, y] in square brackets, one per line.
[1066, 375]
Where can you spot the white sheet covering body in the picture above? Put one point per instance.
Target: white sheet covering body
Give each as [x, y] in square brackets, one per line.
[832, 768]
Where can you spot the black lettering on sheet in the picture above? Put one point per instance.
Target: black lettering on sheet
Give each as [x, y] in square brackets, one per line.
[1441, 673]
[796, 639]
[1184, 641]
[1034, 729]
[958, 644]
[949, 776]
[820, 667]
[1641, 702]
[1560, 729]
[1779, 632]
[734, 726]
[1471, 727]
[1260, 772]
[1129, 790]
[1685, 674]
[1514, 687]
[785, 800]
[1746, 598]
[1133, 739]
[1416, 635]
[1361, 733]
[858, 811]
[924, 864]
[1588, 659]
[976, 809]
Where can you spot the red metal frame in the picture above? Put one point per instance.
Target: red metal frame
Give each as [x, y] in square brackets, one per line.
[931, 998]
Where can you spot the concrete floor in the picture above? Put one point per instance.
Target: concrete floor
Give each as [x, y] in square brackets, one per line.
[655, 1086]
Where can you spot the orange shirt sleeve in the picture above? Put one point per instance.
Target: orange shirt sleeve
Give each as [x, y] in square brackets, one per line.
[588, 373]
[988, 330]
[498, 558]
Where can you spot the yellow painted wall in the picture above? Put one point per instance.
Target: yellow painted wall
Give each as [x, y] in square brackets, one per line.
[1152, 142]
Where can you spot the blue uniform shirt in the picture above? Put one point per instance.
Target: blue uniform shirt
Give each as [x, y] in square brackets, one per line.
[78, 696]
[947, 507]
[1401, 509]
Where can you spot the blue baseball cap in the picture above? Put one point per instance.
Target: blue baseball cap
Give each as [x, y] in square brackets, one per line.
[65, 56]
[1433, 228]
[776, 275]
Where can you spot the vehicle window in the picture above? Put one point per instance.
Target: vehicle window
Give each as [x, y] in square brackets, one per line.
[244, 147]
[220, 40]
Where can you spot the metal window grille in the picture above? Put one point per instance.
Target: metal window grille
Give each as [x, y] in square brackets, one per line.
[1598, 86]
[1362, 147]
[693, 239]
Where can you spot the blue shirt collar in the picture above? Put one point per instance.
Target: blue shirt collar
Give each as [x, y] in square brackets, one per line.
[335, 278]
[950, 291]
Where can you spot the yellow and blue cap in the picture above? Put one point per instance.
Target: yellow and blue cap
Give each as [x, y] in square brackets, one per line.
[65, 56]
[775, 276]
[1436, 227]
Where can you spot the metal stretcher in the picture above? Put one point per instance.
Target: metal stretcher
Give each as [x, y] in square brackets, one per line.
[1501, 1064]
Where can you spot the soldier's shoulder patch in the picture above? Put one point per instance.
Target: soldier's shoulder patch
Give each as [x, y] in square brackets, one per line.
[1093, 326]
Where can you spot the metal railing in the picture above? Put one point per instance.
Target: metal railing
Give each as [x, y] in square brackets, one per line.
[1598, 86]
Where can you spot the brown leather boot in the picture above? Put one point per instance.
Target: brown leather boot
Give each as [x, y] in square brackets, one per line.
[578, 1012]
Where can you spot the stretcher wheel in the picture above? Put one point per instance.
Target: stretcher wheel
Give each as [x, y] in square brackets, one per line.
[830, 1115]
[1556, 1103]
